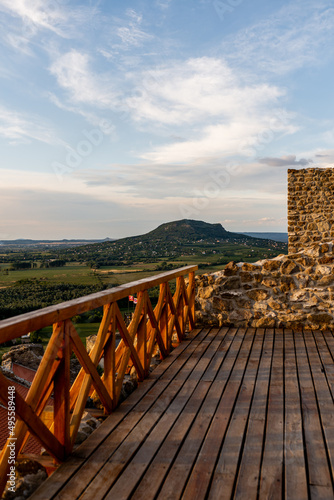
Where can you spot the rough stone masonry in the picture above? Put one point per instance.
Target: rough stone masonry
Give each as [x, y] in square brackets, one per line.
[293, 291]
[310, 207]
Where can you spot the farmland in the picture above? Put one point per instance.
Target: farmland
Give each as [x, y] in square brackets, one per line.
[38, 275]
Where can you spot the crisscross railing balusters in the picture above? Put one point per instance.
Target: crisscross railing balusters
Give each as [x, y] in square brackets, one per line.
[151, 330]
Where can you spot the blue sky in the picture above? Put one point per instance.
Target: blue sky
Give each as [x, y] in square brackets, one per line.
[118, 116]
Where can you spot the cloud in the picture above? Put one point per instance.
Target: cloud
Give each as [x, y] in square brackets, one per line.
[36, 14]
[289, 39]
[127, 34]
[131, 34]
[206, 87]
[221, 114]
[324, 158]
[164, 4]
[18, 128]
[39, 16]
[285, 161]
[73, 74]
[265, 222]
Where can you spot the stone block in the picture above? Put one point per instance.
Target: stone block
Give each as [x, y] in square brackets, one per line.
[257, 294]
[246, 266]
[231, 269]
[246, 276]
[272, 265]
[289, 267]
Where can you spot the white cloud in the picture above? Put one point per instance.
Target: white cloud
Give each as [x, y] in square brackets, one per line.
[226, 115]
[241, 136]
[73, 74]
[127, 33]
[285, 161]
[324, 158]
[164, 4]
[131, 34]
[24, 21]
[289, 39]
[36, 14]
[16, 127]
[185, 91]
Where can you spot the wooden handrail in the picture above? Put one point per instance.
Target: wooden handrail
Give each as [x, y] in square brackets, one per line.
[35, 320]
[149, 330]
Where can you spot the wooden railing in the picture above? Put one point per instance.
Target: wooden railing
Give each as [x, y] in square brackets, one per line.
[149, 329]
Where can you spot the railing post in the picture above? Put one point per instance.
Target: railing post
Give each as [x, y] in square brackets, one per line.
[180, 305]
[191, 300]
[164, 317]
[109, 357]
[62, 390]
[142, 333]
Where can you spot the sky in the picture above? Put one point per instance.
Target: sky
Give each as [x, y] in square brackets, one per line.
[116, 117]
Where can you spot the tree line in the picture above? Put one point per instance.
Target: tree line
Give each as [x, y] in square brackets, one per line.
[29, 295]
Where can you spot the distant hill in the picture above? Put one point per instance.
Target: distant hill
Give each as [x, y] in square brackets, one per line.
[169, 240]
[40, 243]
[187, 230]
[283, 237]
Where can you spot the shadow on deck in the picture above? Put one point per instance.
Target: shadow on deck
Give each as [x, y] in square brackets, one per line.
[228, 414]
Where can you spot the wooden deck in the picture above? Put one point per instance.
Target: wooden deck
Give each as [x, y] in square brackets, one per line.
[229, 414]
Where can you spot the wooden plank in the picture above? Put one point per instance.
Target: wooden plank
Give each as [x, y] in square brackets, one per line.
[249, 469]
[111, 470]
[181, 360]
[214, 366]
[271, 481]
[323, 392]
[122, 421]
[191, 368]
[150, 483]
[127, 482]
[211, 420]
[19, 325]
[67, 470]
[151, 480]
[61, 477]
[325, 346]
[122, 428]
[318, 472]
[217, 337]
[294, 458]
[51, 486]
[235, 423]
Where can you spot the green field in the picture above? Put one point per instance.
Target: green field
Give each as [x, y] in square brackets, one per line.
[74, 274]
[209, 260]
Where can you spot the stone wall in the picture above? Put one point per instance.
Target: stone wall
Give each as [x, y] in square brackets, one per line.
[310, 207]
[293, 291]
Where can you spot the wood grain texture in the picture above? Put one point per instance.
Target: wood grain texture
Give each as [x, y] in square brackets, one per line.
[230, 413]
[148, 331]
